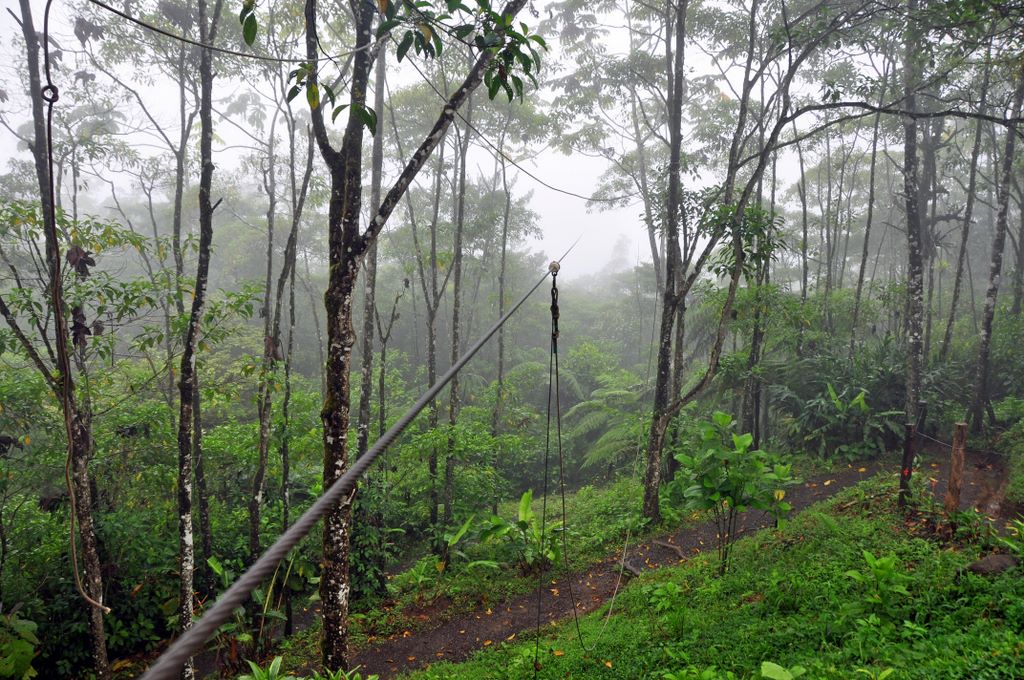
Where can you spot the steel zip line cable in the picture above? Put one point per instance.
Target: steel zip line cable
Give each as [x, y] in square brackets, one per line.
[168, 666]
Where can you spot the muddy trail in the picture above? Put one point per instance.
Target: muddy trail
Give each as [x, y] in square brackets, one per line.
[459, 638]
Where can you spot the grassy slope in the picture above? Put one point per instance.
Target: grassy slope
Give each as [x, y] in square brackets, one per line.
[788, 600]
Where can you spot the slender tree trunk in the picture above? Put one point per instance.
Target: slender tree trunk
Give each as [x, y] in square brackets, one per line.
[499, 395]
[186, 386]
[1018, 270]
[370, 284]
[965, 230]
[868, 223]
[453, 395]
[180, 161]
[271, 351]
[345, 245]
[286, 461]
[980, 396]
[202, 494]
[663, 380]
[77, 421]
[802, 190]
[915, 268]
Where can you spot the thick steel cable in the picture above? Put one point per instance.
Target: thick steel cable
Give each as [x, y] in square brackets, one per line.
[168, 666]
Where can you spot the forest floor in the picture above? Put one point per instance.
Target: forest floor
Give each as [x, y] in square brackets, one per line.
[458, 638]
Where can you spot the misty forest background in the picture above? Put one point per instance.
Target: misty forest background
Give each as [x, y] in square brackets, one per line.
[826, 198]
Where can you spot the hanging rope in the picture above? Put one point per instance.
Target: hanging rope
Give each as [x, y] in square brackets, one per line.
[553, 388]
[50, 96]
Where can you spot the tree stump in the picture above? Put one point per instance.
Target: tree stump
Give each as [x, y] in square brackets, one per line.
[956, 469]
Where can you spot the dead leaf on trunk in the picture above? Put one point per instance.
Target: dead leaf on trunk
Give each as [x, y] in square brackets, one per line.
[80, 259]
[79, 329]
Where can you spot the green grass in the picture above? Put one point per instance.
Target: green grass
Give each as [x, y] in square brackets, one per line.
[789, 600]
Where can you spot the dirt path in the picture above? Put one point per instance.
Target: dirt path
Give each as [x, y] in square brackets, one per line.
[457, 639]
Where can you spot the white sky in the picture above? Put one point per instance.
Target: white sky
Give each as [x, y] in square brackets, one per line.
[563, 218]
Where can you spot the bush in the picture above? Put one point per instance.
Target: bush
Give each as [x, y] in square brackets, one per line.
[726, 478]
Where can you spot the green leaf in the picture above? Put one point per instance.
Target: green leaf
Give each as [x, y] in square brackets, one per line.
[368, 116]
[457, 536]
[337, 110]
[493, 86]
[313, 95]
[249, 27]
[386, 26]
[404, 46]
[524, 506]
[774, 671]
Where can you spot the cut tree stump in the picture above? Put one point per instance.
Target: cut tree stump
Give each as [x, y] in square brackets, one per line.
[956, 469]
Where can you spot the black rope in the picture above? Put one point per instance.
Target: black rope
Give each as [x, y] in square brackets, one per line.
[170, 662]
[50, 95]
[553, 270]
[553, 387]
[561, 456]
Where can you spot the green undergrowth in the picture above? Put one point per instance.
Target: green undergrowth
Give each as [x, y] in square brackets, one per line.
[420, 596]
[847, 589]
[1011, 443]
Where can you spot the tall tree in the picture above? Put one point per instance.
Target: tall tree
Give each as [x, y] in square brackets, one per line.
[208, 22]
[1005, 187]
[348, 244]
[58, 374]
[914, 321]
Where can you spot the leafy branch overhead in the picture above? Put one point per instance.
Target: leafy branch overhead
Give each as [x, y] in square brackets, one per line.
[422, 27]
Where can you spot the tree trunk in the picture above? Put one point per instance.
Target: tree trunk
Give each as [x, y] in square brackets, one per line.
[961, 259]
[1018, 270]
[915, 267]
[206, 575]
[663, 380]
[867, 226]
[264, 397]
[370, 284]
[346, 246]
[453, 395]
[77, 422]
[980, 396]
[187, 392]
[499, 395]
